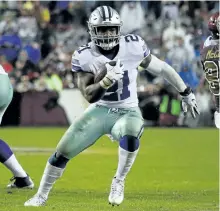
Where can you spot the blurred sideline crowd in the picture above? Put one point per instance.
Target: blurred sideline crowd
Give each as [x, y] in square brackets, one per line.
[37, 39]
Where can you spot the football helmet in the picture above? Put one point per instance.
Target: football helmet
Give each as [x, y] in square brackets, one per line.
[104, 27]
[214, 24]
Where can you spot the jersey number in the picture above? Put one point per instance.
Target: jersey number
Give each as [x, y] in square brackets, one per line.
[212, 76]
[131, 37]
[123, 86]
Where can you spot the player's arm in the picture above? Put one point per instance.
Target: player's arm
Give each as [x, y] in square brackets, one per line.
[92, 92]
[95, 91]
[159, 67]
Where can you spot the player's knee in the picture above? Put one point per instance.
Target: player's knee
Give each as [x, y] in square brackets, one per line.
[58, 160]
[129, 143]
[134, 129]
[5, 151]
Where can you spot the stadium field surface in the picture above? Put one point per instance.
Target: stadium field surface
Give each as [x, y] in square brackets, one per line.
[176, 170]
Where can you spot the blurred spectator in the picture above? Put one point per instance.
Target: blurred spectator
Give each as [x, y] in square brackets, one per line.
[46, 38]
[179, 54]
[106, 3]
[27, 23]
[188, 41]
[170, 107]
[8, 25]
[42, 13]
[204, 100]
[52, 79]
[60, 16]
[189, 76]
[170, 10]
[154, 6]
[33, 52]
[40, 84]
[24, 85]
[5, 64]
[54, 83]
[132, 16]
[10, 46]
[25, 65]
[78, 12]
[68, 81]
[170, 33]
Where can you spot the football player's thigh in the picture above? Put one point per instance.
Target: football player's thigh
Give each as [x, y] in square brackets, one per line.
[82, 133]
[6, 94]
[130, 124]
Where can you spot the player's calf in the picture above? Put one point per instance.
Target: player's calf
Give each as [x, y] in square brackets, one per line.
[128, 149]
[53, 171]
[7, 158]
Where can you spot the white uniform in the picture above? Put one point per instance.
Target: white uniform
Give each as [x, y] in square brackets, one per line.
[132, 50]
[2, 71]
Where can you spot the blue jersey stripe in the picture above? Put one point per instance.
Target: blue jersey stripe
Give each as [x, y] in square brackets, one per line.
[76, 68]
[146, 53]
[75, 62]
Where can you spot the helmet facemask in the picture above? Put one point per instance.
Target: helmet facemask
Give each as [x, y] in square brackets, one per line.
[106, 37]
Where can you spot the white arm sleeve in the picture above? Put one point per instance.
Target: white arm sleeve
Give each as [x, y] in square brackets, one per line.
[159, 67]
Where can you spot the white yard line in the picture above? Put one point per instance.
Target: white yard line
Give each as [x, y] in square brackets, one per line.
[44, 150]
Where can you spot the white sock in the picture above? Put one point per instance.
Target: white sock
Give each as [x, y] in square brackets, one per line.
[125, 162]
[50, 175]
[13, 165]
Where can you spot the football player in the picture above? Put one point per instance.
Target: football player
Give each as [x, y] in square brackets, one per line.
[210, 57]
[7, 157]
[114, 103]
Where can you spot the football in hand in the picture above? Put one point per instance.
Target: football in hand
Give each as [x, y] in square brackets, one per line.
[103, 72]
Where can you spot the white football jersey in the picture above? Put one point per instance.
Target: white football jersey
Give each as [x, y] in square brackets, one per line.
[132, 49]
[2, 71]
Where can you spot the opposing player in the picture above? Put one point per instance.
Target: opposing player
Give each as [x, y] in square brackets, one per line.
[210, 57]
[7, 157]
[114, 109]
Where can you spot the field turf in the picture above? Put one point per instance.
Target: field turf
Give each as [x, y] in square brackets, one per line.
[176, 170]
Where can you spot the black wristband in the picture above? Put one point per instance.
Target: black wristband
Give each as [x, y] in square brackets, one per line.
[186, 92]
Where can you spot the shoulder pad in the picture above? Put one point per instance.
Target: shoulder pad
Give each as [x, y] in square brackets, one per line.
[80, 58]
[137, 45]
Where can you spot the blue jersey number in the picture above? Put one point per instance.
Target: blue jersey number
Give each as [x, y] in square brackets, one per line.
[125, 93]
[131, 37]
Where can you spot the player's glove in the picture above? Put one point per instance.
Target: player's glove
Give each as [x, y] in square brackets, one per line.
[189, 100]
[217, 119]
[114, 73]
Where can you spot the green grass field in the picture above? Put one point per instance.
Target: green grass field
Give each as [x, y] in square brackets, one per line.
[176, 170]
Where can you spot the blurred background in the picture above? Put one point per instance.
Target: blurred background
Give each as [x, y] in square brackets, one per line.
[37, 39]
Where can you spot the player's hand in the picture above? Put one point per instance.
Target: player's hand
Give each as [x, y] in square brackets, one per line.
[217, 119]
[115, 72]
[189, 101]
